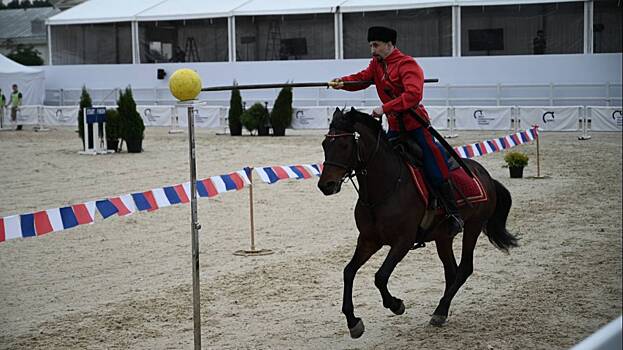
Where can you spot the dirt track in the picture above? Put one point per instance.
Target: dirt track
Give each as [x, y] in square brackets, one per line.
[125, 282]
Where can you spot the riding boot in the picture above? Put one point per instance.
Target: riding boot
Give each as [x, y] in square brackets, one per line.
[452, 211]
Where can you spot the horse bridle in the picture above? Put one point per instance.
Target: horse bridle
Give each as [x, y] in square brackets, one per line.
[360, 169]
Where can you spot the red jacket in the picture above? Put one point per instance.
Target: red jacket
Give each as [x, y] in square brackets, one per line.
[406, 81]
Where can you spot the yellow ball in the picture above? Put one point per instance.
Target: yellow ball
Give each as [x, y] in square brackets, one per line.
[185, 84]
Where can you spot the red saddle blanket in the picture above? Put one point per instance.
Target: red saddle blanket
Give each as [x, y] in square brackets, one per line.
[470, 187]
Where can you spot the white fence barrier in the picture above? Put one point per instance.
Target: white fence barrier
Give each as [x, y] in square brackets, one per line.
[551, 118]
[483, 118]
[156, 115]
[548, 118]
[604, 118]
[61, 115]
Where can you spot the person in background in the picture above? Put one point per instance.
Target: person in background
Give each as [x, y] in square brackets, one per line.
[2, 107]
[15, 102]
[538, 43]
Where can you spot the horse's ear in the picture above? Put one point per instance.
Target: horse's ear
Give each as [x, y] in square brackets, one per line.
[337, 113]
[352, 109]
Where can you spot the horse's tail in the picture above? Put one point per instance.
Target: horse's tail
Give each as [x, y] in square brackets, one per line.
[496, 226]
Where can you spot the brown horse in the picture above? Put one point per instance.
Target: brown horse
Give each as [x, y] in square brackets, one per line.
[391, 211]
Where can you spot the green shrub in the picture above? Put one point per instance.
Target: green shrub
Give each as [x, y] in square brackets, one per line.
[85, 102]
[254, 117]
[516, 159]
[131, 123]
[235, 112]
[113, 127]
[281, 115]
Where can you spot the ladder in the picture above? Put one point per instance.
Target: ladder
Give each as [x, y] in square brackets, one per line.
[192, 55]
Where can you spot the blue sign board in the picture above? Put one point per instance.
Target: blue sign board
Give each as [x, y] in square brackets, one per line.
[96, 115]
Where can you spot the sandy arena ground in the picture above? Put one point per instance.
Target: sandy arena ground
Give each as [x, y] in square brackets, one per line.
[126, 282]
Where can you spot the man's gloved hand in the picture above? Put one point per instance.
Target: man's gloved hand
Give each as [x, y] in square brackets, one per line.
[336, 83]
[377, 112]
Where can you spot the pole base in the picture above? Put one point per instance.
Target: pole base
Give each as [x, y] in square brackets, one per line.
[176, 131]
[539, 177]
[451, 136]
[255, 252]
[584, 137]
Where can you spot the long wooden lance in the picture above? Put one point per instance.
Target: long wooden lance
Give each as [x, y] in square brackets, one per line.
[282, 85]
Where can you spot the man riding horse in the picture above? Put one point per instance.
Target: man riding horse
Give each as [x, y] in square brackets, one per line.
[399, 83]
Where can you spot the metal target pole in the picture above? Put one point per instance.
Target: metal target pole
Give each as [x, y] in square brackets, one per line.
[194, 227]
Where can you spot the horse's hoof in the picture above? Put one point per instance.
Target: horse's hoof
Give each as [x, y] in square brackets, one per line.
[400, 309]
[357, 330]
[438, 320]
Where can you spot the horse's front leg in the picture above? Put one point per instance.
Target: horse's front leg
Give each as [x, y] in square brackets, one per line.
[397, 251]
[365, 249]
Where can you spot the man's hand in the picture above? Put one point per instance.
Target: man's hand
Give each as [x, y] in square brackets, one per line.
[377, 112]
[336, 83]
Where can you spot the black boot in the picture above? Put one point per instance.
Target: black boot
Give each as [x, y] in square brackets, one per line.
[452, 211]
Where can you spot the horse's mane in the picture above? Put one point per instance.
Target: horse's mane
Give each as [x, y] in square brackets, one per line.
[346, 121]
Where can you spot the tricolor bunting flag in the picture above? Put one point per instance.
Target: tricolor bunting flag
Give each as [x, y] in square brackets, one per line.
[52, 220]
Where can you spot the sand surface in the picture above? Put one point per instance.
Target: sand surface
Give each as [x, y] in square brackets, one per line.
[125, 282]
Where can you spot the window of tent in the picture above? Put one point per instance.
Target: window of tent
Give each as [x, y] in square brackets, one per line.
[607, 27]
[532, 29]
[421, 32]
[198, 40]
[287, 37]
[107, 43]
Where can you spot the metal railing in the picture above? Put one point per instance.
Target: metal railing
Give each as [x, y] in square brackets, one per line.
[607, 94]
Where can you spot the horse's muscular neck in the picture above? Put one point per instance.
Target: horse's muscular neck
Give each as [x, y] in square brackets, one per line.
[382, 169]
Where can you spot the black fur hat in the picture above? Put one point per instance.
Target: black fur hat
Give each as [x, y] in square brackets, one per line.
[383, 34]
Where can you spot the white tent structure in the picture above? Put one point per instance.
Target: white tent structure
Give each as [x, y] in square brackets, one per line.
[30, 81]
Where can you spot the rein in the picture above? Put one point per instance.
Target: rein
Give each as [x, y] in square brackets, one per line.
[361, 167]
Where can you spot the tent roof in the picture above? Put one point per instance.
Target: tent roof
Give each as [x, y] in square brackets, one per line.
[8, 66]
[189, 9]
[271, 7]
[375, 5]
[106, 11]
[103, 11]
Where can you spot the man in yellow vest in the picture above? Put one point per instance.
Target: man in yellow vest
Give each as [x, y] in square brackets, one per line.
[16, 102]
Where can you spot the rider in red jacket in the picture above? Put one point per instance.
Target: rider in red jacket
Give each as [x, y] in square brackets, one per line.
[391, 70]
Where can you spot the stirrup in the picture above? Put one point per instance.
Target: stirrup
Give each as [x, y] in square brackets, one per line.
[456, 226]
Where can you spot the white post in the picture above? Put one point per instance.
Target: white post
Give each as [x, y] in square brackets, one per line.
[451, 123]
[40, 123]
[175, 122]
[456, 31]
[586, 116]
[588, 27]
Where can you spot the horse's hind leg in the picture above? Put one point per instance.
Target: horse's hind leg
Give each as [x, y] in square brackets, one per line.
[465, 269]
[365, 249]
[395, 255]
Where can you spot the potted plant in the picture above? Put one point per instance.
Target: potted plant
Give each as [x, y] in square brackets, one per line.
[113, 130]
[255, 118]
[235, 111]
[281, 115]
[131, 123]
[516, 162]
[85, 102]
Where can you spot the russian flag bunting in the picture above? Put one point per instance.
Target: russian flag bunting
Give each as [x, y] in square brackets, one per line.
[496, 145]
[59, 219]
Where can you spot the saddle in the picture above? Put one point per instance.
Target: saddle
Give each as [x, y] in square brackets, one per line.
[467, 191]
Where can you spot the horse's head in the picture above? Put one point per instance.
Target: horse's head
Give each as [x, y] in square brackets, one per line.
[341, 150]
